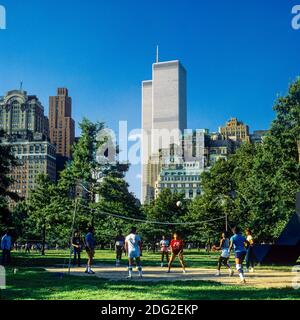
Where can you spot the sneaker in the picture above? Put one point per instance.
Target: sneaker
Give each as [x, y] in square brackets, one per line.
[243, 281]
[129, 277]
[183, 271]
[231, 273]
[247, 270]
[218, 274]
[162, 265]
[251, 270]
[91, 272]
[168, 271]
[86, 271]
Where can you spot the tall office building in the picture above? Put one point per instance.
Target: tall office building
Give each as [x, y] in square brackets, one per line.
[25, 129]
[61, 124]
[34, 156]
[163, 118]
[21, 114]
[182, 178]
[235, 130]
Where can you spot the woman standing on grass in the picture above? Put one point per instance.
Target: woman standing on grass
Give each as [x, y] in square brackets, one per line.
[176, 250]
[224, 257]
[164, 248]
[250, 252]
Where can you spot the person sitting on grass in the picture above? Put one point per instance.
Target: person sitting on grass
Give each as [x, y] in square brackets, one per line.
[176, 250]
[224, 257]
[90, 249]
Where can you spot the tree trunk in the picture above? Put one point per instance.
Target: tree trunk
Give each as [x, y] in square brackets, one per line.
[93, 213]
[154, 246]
[298, 145]
[44, 240]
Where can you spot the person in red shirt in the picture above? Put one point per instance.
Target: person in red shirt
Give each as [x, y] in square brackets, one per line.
[176, 250]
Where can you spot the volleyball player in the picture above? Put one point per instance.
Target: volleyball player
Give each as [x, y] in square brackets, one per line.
[224, 257]
[133, 248]
[176, 250]
[238, 242]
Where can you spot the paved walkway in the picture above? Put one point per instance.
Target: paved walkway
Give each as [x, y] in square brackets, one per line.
[261, 278]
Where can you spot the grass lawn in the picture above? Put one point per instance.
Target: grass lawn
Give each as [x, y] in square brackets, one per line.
[30, 281]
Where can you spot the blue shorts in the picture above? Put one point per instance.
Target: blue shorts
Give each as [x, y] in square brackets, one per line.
[240, 255]
[134, 254]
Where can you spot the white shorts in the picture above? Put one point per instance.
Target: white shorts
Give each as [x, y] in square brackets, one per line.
[134, 254]
[225, 253]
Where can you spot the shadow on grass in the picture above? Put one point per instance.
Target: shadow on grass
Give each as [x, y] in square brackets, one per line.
[53, 258]
[38, 284]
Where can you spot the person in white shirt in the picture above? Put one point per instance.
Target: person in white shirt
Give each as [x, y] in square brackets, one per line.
[133, 245]
[164, 248]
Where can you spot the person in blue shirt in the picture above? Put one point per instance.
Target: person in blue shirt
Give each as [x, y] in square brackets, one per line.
[6, 248]
[239, 243]
[90, 249]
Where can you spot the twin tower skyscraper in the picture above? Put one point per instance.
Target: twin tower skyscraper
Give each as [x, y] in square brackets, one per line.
[164, 118]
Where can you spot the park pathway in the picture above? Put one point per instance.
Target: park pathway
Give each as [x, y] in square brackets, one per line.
[261, 278]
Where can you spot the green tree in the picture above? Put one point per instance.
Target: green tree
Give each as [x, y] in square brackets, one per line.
[45, 209]
[95, 171]
[164, 209]
[7, 163]
[114, 198]
[258, 182]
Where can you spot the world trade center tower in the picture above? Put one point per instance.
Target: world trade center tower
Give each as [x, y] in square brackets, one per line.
[164, 105]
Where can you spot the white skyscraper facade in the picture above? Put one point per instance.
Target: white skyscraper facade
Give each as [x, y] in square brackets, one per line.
[164, 107]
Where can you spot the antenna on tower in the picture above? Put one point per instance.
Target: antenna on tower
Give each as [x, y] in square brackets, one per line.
[157, 54]
[21, 85]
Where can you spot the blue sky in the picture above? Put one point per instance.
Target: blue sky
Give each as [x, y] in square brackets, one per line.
[238, 55]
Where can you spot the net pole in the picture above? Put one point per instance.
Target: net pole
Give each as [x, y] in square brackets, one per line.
[72, 235]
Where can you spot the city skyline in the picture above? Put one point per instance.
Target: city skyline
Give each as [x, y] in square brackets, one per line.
[246, 60]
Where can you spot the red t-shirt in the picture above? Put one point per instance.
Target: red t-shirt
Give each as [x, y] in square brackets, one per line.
[176, 245]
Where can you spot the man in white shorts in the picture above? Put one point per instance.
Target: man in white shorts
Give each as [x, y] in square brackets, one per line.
[133, 248]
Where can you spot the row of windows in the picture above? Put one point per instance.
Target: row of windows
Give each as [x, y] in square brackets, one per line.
[191, 193]
[33, 159]
[179, 185]
[186, 178]
[32, 149]
[218, 151]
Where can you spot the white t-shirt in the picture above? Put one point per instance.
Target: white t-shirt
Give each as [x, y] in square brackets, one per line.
[133, 242]
[164, 243]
